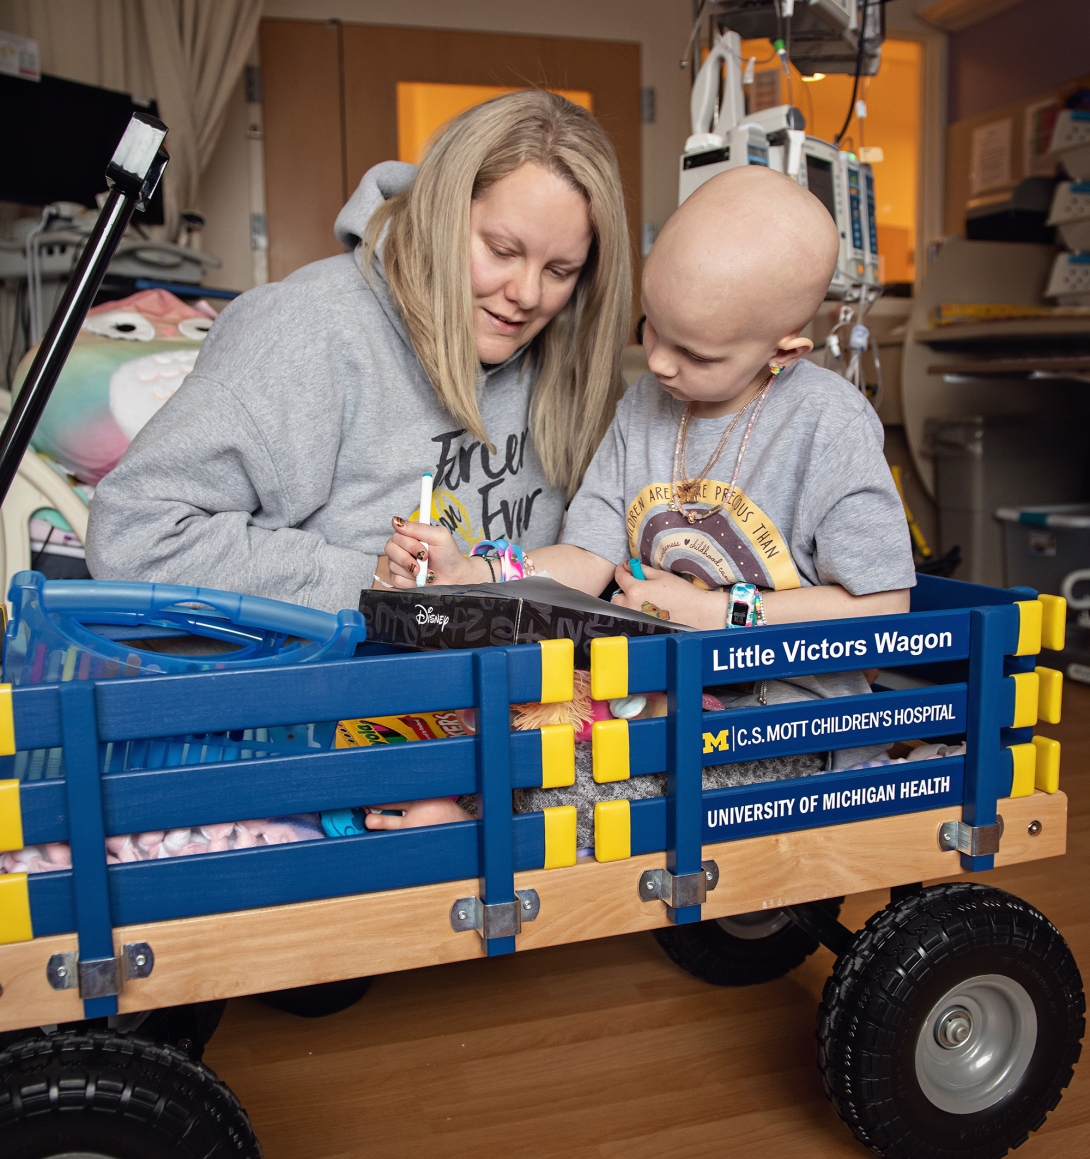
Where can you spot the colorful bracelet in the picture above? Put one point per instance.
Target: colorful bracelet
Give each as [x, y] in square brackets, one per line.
[509, 555]
[759, 608]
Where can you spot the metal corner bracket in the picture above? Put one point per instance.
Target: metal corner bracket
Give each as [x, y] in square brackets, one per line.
[974, 840]
[500, 920]
[100, 977]
[679, 890]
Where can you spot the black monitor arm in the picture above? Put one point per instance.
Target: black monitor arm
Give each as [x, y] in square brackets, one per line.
[132, 176]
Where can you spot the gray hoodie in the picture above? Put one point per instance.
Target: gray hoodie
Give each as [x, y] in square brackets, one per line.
[304, 426]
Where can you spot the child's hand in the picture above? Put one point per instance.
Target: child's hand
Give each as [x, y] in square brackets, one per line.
[663, 591]
[438, 811]
[418, 545]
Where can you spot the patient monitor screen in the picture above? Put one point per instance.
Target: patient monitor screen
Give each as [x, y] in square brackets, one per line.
[819, 178]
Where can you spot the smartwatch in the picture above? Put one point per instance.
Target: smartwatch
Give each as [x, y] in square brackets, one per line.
[741, 606]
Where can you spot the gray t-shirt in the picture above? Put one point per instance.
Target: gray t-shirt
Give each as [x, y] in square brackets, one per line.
[814, 503]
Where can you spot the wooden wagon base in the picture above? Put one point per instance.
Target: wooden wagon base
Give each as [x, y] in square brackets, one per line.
[251, 951]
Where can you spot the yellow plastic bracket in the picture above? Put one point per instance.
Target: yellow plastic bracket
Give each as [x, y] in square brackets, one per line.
[559, 836]
[1050, 695]
[1053, 622]
[11, 817]
[1047, 777]
[609, 667]
[609, 750]
[1029, 627]
[1025, 767]
[557, 671]
[1026, 693]
[7, 722]
[612, 831]
[557, 756]
[15, 909]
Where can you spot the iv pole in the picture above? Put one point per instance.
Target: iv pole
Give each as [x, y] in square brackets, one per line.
[132, 177]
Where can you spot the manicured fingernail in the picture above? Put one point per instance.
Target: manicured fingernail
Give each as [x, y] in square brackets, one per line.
[398, 521]
[431, 577]
[422, 553]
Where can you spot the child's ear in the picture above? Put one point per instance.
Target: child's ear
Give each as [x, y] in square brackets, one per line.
[791, 348]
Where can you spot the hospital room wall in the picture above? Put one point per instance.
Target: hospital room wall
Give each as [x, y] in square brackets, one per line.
[1017, 54]
[1004, 72]
[659, 26]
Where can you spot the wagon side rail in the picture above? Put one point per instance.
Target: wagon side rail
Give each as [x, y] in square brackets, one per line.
[988, 648]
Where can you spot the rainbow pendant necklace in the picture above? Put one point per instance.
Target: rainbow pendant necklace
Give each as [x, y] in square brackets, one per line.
[684, 494]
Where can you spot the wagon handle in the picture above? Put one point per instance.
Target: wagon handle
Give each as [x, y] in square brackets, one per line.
[76, 597]
[132, 177]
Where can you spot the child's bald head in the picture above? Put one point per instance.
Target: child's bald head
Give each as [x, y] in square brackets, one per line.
[738, 270]
[748, 244]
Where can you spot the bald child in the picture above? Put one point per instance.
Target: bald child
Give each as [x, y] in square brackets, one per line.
[733, 460]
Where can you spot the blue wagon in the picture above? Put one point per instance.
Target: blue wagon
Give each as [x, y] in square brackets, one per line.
[949, 1026]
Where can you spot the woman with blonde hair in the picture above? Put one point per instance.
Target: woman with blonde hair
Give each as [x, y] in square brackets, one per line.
[475, 329]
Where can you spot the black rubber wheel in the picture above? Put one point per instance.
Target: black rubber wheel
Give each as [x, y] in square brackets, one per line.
[744, 949]
[318, 1000]
[189, 1028]
[950, 1028]
[115, 1096]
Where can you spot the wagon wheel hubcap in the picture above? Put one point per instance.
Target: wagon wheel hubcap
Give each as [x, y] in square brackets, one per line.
[79, 1155]
[756, 925]
[954, 1028]
[976, 1043]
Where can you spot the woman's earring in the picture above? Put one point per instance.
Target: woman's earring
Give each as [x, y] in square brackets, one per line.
[775, 369]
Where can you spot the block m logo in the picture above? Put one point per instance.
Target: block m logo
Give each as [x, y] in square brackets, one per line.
[716, 741]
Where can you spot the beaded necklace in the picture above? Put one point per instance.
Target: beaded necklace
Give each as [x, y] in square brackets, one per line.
[685, 493]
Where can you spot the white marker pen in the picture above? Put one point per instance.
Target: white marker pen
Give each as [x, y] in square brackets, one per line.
[425, 518]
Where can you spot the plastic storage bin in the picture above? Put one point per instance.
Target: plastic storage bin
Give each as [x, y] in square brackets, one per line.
[1043, 546]
[1071, 142]
[983, 462]
[1069, 281]
[87, 630]
[1071, 214]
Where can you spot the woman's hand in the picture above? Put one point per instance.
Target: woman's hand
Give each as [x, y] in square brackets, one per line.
[663, 591]
[419, 545]
[437, 811]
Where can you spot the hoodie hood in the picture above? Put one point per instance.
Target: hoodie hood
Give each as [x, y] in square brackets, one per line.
[379, 184]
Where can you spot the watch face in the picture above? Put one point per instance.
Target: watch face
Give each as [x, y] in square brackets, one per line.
[739, 614]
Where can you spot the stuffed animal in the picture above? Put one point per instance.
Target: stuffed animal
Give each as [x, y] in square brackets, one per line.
[128, 359]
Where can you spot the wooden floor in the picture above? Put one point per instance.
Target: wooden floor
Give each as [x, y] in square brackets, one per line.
[600, 1049]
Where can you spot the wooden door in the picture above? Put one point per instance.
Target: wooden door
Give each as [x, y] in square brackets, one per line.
[304, 140]
[324, 77]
